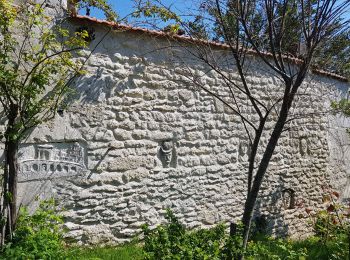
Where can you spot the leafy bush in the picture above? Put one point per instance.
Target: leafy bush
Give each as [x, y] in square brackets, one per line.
[343, 106]
[331, 227]
[172, 241]
[324, 251]
[272, 248]
[37, 236]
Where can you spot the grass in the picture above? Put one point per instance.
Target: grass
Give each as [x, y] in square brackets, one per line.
[338, 248]
[315, 250]
[125, 252]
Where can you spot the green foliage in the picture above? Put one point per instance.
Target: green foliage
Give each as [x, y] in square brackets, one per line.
[36, 65]
[152, 10]
[327, 226]
[40, 237]
[124, 252]
[99, 4]
[37, 69]
[269, 248]
[172, 241]
[334, 55]
[331, 228]
[155, 10]
[343, 106]
[324, 251]
[197, 28]
[37, 236]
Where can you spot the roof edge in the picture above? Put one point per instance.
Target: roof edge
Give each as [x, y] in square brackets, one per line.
[189, 39]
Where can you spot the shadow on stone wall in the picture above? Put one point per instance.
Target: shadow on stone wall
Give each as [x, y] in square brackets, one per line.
[268, 221]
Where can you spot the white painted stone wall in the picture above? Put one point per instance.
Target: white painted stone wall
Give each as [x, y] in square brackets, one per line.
[103, 155]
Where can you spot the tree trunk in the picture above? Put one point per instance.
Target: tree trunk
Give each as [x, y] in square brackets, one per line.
[3, 205]
[9, 199]
[252, 196]
[12, 162]
[9, 193]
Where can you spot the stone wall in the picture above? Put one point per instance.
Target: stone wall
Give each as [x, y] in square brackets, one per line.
[139, 137]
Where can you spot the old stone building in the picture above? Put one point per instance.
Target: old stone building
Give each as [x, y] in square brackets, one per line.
[139, 137]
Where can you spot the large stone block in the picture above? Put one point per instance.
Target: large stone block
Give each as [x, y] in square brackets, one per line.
[130, 163]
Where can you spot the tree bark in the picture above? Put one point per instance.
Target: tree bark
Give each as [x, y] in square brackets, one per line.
[4, 211]
[12, 162]
[252, 196]
[9, 199]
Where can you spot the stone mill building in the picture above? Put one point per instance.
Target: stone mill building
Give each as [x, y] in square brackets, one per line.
[140, 137]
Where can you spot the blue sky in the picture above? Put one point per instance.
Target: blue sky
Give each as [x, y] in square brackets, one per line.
[125, 7]
[186, 8]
